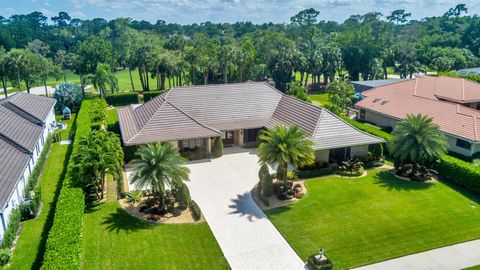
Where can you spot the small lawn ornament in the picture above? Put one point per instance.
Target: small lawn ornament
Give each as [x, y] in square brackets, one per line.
[67, 113]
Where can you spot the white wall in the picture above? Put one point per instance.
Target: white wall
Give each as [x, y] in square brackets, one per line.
[379, 120]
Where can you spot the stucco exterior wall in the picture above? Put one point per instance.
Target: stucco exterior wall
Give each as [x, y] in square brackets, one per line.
[452, 142]
[476, 148]
[322, 155]
[380, 120]
[359, 151]
[238, 137]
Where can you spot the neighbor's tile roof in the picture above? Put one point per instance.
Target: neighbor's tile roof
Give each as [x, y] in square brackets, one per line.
[203, 111]
[424, 95]
[22, 117]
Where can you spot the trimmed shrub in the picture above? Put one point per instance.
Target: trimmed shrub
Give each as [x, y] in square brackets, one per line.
[37, 169]
[148, 95]
[460, 172]
[12, 228]
[266, 180]
[194, 154]
[134, 196]
[262, 197]
[121, 99]
[377, 151]
[4, 256]
[314, 173]
[64, 242]
[196, 212]
[218, 147]
[183, 196]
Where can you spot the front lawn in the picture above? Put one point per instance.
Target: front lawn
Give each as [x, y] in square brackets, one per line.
[112, 239]
[377, 217]
[319, 99]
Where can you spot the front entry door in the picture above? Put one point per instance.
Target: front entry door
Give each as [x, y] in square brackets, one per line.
[229, 138]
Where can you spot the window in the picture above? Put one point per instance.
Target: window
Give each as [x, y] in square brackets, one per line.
[463, 144]
[362, 114]
[192, 144]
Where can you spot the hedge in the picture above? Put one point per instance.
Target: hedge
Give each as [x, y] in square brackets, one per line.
[369, 129]
[121, 99]
[64, 242]
[196, 212]
[314, 172]
[12, 228]
[449, 168]
[461, 172]
[37, 169]
[148, 95]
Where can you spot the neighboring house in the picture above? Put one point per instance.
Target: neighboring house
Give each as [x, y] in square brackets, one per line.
[469, 71]
[362, 86]
[191, 117]
[25, 123]
[453, 103]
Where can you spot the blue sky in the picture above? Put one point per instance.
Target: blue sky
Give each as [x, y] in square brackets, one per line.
[196, 11]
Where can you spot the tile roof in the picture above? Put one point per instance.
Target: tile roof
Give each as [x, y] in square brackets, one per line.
[326, 130]
[22, 120]
[205, 111]
[425, 95]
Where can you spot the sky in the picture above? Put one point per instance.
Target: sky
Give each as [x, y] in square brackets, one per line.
[256, 11]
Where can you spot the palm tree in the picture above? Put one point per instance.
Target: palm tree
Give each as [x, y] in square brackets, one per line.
[417, 140]
[283, 146]
[159, 166]
[103, 75]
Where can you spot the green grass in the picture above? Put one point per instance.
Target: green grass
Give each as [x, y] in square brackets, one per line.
[123, 81]
[31, 243]
[319, 99]
[377, 217]
[112, 239]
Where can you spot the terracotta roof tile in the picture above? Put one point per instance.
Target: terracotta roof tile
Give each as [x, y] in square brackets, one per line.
[422, 96]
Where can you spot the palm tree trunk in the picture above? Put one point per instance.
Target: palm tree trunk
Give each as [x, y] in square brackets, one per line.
[157, 76]
[131, 78]
[4, 85]
[46, 90]
[301, 77]
[225, 75]
[306, 79]
[102, 181]
[205, 77]
[241, 72]
[180, 79]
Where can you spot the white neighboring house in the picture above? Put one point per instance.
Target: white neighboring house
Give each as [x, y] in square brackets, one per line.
[25, 122]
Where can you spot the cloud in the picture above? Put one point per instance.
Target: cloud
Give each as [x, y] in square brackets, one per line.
[257, 11]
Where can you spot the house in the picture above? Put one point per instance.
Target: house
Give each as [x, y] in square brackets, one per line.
[362, 86]
[25, 123]
[453, 103]
[191, 117]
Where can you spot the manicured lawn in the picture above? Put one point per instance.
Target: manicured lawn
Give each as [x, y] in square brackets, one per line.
[123, 81]
[319, 99]
[112, 239]
[377, 217]
[31, 243]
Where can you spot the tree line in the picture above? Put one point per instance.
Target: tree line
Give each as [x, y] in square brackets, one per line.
[305, 50]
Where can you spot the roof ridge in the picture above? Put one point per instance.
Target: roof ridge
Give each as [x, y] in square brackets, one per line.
[463, 90]
[352, 126]
[14, 144]
[317, 124]
[213, 84]
[22, 110]
[146, 122]
[196, 121]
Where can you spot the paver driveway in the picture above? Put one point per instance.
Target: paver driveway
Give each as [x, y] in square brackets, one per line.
[221, 187]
